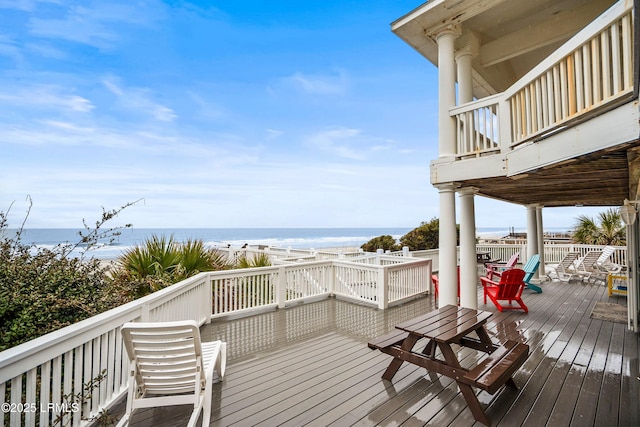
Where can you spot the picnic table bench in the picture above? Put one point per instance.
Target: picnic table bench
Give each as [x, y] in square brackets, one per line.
[442, 328]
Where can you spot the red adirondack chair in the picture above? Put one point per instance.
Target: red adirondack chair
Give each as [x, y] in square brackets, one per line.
[509, 289]
[436, 284]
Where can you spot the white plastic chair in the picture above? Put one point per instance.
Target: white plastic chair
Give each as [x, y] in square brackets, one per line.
[171, 366]
[565, 270]
[604, 263]
[587, 268]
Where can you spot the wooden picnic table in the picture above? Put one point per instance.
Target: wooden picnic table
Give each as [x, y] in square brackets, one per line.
[464, 327]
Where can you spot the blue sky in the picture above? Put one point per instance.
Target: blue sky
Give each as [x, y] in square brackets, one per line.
[220, 114]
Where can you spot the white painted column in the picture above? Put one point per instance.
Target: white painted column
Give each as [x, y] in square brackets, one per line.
[448, 262]
[532, 233]
[540, 272]
[468, 260]
[446, 92]
[633, 275]
[465, 79]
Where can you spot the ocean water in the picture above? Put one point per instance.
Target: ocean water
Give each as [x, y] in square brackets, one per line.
[298, 238]
[295, 238]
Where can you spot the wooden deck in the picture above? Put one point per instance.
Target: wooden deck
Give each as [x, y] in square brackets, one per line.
[310, 365]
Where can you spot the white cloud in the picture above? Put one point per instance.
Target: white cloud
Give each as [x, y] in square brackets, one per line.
[336, 141]
[46, 96]
[318, 84]
[25, 5]
[273, 134]
[206, 109]
[97, 24]
[139, 100]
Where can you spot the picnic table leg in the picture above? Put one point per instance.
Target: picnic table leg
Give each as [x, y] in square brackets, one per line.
[430, 349]
[486, 340]
[395, 364]
[467, 392]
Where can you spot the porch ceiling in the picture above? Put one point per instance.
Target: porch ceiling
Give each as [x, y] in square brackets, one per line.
[599, 179]
[508, 38]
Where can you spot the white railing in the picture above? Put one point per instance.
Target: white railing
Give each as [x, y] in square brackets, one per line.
[504, 252]
[592, 70]
[596, 70]
[41, 372]
[477, 127]
[244, 289]
[281, 255]
[554, 253]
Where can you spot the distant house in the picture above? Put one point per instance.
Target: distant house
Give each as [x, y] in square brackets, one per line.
[538, 105]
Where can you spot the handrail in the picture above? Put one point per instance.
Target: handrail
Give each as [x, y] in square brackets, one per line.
[591, 71]
[594, 68]
[62, 362]
[70, 357]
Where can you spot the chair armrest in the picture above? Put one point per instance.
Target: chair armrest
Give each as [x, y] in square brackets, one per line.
[486, 281]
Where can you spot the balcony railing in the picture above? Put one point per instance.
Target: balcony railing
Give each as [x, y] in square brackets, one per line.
[36, 376]
[591, 71]
[39, 374]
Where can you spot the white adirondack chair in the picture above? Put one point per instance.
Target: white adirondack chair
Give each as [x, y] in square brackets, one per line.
[171, 366]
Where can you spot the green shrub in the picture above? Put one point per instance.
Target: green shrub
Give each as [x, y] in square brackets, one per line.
[386, 242]
[42, 290]
[162, 261]
[426, 236]
[258, 260]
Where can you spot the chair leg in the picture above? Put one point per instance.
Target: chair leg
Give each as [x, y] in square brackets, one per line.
[524, 307]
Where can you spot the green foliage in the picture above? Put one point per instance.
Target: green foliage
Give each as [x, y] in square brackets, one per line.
[426, 236]
[156, 257]
[609, 231]
[195, 257]
[42, 290]
[386, 242]
[162, 261]
[258, 260]
[75, 402]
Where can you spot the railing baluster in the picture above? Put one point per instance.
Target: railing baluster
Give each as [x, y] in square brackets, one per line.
[16, 397]
[45, 391]
[616, 59]
[586, 80]
[627, 51]
[606, 65]
[30, 396]
[579, 92]
[596, 78]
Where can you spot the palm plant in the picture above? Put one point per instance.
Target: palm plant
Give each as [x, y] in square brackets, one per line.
[161, 261]
[195, 258]
[157, 256]
[258, 260]
[609, 231]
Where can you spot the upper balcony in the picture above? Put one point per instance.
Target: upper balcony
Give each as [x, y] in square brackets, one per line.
[556, 89]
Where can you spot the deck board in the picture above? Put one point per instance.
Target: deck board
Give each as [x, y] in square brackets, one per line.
[310, 365]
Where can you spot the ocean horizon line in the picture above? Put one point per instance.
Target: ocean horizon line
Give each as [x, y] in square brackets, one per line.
[284, 237]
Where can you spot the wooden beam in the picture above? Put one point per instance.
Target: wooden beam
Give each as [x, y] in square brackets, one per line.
[552, 28]
[633, 157]
[436, 15]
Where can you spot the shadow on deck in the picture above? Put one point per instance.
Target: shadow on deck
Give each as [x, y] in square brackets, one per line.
[310, 365]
